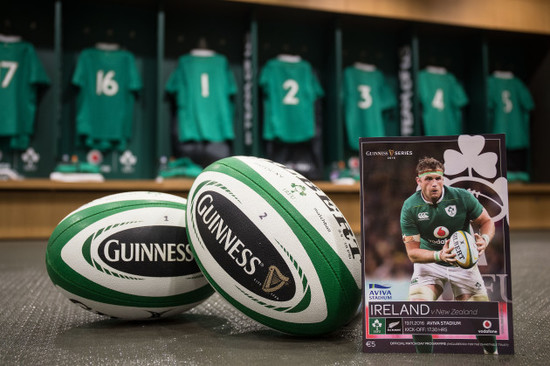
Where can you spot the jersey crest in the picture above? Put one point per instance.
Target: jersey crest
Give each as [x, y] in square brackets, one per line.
[451, 210]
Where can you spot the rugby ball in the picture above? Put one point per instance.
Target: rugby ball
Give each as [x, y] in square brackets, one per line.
[463, 244]
[274, 245]
[127, 256]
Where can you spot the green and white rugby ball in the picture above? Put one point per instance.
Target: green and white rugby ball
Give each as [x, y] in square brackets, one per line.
[274, 245]
[127, 256]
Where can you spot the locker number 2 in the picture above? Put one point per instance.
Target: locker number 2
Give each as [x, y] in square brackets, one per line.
[292, 87]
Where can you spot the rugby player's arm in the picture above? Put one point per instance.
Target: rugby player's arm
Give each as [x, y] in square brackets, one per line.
[486, 231]
[419, 255]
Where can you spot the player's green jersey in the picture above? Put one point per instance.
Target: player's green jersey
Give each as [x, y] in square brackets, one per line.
[366, 95]
[510, 103]
[108, 81]
[442, 97]
[290, 91]
[437, 222]
[203, 86]
[20, 74]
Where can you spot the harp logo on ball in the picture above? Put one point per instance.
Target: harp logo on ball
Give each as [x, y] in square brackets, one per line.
[233, 239]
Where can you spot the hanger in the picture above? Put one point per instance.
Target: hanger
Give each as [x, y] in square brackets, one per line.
[363, 66]
[289, 58]
[107, 46]
[202, 52]
[202, 49]
[503, 74]
[436, 69]
[9, 39]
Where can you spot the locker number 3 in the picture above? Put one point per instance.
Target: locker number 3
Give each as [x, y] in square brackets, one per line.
[366, 98]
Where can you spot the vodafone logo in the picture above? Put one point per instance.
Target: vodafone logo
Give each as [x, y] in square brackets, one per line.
[441, 232]
[487, 324]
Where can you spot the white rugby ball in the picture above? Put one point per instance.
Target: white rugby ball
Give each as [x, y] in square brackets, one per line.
[127, 256]
[274, 245]
[463, 244]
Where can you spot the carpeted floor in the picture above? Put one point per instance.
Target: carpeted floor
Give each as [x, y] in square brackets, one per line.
[39, 326]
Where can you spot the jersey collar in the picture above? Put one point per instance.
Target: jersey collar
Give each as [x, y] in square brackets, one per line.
[438, 201]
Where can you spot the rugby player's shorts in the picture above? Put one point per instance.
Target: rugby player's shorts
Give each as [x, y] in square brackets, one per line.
[462, 281]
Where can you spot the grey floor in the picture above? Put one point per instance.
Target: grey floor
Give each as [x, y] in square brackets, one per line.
[39, 326]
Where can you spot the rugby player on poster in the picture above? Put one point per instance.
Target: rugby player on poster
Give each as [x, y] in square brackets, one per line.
[428, 218]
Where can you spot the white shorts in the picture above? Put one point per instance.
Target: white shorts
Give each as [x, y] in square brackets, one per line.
[462, 281]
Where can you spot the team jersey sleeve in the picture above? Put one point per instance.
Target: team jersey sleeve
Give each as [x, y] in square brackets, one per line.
[135, 83]
[423, 88]
[79, 72]
[174, 81]
[37, 73]
[408, 224]
[311, 82]
[36, 76]
[343, 95]
[264, 76]
[230, 80]
[460, 98]
[83, 127]
[525, 97]
[177, 86]
[171, 84]
[473, 207]
[317, 89]
[386, 95]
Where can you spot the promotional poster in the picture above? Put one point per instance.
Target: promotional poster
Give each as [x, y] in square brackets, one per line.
[426, 291]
